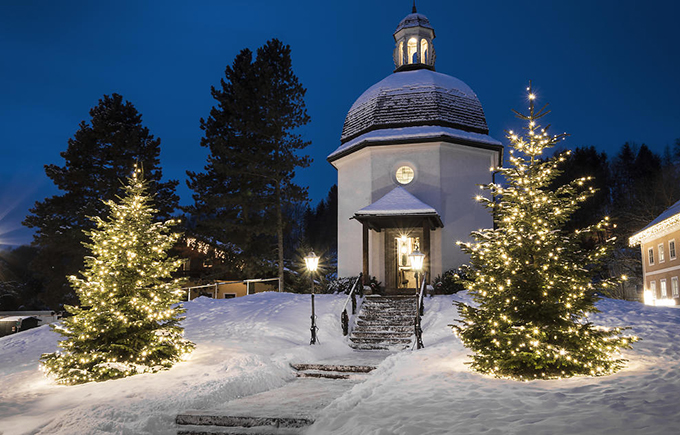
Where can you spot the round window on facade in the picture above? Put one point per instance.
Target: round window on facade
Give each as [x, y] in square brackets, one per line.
[405, 175]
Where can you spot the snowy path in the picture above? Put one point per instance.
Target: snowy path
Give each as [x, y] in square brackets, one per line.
[300, 399]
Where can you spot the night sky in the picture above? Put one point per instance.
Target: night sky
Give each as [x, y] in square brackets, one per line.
[609, 69]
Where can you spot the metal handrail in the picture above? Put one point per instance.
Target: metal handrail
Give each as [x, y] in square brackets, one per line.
[419, 313]
[344, 318]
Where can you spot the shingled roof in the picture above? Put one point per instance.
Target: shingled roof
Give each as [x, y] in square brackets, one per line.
[414, 98]
[414, 20]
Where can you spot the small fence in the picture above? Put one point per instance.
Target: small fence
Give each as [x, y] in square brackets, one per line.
[233, 289]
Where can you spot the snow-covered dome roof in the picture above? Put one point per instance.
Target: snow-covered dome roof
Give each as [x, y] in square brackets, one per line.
[415, 98]
[414, 20]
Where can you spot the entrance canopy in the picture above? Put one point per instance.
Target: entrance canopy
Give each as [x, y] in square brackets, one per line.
[398, 209]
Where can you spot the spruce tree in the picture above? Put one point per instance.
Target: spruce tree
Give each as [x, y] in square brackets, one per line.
[253, 143]
[100, 154]
[532, 281]
[126, 322]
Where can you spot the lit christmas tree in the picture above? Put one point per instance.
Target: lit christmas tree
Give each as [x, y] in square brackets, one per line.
[532, 281]
[126, 323]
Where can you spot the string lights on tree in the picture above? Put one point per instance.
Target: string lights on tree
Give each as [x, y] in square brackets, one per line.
[127, 322]
[532, 282]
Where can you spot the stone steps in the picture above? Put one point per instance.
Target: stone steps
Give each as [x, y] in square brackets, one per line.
[205, 424]
[382, 334]
[331, 371]
[333, 368]
[384, 327]
[384, 323]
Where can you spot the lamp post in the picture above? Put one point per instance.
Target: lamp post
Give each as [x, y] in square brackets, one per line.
[312, 262]
[417, 259]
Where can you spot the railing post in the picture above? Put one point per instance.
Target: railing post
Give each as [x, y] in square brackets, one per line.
[361, 285]
[313, 328]
[419, 312]
[345, 322]
[419, 332]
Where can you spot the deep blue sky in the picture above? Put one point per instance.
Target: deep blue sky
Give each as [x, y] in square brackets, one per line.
[609, 69]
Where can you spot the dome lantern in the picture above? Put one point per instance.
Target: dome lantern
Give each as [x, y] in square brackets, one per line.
[413, 43]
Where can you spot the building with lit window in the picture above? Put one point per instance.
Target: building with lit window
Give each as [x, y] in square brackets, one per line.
[660, 265]
[414, 149]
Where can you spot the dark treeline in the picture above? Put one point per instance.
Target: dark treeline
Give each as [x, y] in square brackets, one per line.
[633, 188]
[321, 224]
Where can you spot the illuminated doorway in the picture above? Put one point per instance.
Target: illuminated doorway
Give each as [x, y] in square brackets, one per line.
[399, 273]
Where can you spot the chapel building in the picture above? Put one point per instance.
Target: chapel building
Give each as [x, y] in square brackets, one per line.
[415, 147]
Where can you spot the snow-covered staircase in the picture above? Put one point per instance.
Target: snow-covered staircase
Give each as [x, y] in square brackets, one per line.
[384, 323]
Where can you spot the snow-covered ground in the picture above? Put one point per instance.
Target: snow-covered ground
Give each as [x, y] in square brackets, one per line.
[245, 345]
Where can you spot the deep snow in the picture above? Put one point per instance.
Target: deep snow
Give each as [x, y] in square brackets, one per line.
[245, 345]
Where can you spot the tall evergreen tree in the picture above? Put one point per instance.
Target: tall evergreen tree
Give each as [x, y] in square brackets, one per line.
[251, 135]
[126, 322]
[100, 154]
[532, 280]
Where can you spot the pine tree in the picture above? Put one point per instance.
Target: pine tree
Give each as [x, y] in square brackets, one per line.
[251, 134]
[100, 154]
[532, 281]
[126, 323]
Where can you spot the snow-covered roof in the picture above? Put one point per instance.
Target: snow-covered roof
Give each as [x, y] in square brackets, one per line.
[415, 134]
[397, 202]
[410, 98]
[414, 20]
[668, 220]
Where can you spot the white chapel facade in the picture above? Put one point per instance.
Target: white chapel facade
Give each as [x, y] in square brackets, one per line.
[414, 149]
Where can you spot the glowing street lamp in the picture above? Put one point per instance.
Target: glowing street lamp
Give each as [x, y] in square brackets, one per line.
[312, 262]
[417, 259]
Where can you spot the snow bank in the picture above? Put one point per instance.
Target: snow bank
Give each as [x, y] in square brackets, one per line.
[244, 346]
[431, 391]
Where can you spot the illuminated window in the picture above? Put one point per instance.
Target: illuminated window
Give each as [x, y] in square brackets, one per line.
[652, 287]
[674, 286]
[663, 288]
[400, 62]
[405, 175]
[662, 255]
[412, 50]
[650, 256]
[423, 51]
[671, 249]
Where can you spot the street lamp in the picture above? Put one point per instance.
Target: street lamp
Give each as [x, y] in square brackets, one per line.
[312, 262]
[417, 259]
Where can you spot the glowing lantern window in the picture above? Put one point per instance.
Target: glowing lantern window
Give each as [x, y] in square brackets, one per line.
[401, 54]
[412, 50]
[405, 175]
